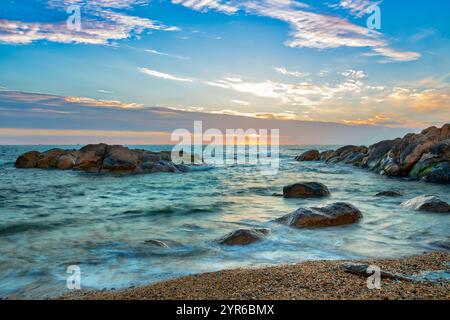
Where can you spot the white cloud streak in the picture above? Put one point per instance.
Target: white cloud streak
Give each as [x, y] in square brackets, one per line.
[162, 75]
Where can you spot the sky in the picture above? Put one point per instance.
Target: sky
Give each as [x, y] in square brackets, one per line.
[137, 69]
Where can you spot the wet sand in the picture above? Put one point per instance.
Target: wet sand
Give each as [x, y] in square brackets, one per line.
[306, 280]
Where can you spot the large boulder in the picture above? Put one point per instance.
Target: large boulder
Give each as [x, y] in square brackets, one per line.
[66, 161]
[332, 215]
[120, 159]
[28, 160]
[427, 203]
[49, 159]
[311, 155]
[243, 237]
[306, 190]
[324, 156]
[389, 193]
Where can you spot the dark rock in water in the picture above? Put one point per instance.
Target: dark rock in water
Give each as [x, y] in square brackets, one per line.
[360, 269]
[306, 190]
[389, 193]
[424, 156]
[439, 173]
[311, 155]
[102, 158]
[157, 243]
[324, 156]
[243, 237]
[28, 160]
[428, 204]
[332, 215]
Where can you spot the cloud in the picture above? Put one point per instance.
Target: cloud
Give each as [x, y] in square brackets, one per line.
[103, 103]
[311, 29]
[162, 75]
[394, 55]
[205, 5]
[354, 74]
[100, 25]
[240, 102]
[357, 8]
[286, 72]
[159, 53]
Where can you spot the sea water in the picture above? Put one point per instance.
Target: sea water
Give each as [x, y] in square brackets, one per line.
[50, 220]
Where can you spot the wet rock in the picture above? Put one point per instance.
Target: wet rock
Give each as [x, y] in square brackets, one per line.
[157, 243]
[332, 215]
[243, 237]
[28, 160]
[102, 158]
[324, 156]
[439, 173]
[311, 155]
[427, 203]
[49, 159]
[389, 193]
[306, 190]
[120, 159]
[364, 270]
[66, 162]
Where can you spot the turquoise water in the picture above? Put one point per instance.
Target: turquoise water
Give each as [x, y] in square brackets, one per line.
[52, 219]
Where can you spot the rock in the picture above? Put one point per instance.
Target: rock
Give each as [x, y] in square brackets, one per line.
[66, 162]
[324, 156]
[428, 204]
[306, 190]
[102, 158]
[48, 159]
[28, 160]
[332, 215]
[243, 237]
[344, 152]
[120, 159]
[311, 155]
[156, 243]
[439, 173]
[376, 153]
[364, 270]
[389, 193]
[355, 158]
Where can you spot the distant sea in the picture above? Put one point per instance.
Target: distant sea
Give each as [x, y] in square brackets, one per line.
[52, 219]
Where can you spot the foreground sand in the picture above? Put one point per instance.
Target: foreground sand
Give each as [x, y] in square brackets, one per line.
[307, 280]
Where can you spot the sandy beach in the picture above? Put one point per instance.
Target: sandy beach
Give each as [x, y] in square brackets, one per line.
[310, 280]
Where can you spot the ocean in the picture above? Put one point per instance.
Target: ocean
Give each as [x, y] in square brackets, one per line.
[50, 220]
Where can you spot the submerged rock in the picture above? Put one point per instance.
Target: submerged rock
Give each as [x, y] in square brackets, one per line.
[332, 215]
[157, 243]
[311, 155]
[243, 237]
[102, 158]
[389, 193]
[306, 190]
[428, 204]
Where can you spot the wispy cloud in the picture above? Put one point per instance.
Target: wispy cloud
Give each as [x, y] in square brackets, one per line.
[163, 75]
[205, 5]
[159, 53]
[100, 25]
[286, 72]
[312, 29]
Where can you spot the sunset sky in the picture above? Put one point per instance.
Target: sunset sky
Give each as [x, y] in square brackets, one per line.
[153, 66]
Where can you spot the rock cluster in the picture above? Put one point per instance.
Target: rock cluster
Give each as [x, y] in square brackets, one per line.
[424, 156]
[101, 158]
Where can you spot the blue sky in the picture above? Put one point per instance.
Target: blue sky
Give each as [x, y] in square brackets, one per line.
[268, 59]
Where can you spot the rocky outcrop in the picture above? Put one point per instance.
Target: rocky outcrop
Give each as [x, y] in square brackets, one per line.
[424, 156]
[101, 158]
[243, 237]
[389, 193]
[332, 215]
[306, 190]
[427, 204]
[311, 155]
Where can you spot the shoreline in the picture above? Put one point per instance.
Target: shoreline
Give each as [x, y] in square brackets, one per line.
[309, 280]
